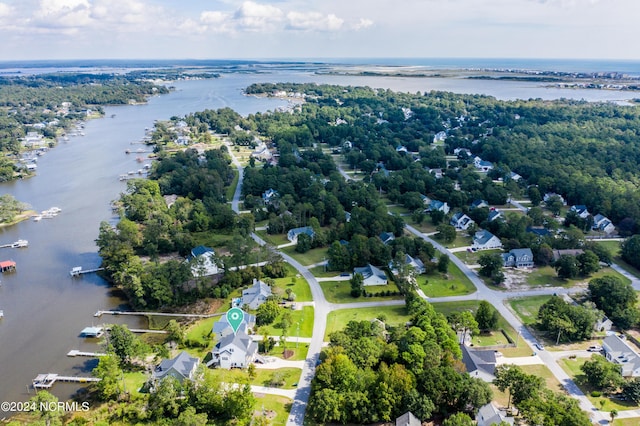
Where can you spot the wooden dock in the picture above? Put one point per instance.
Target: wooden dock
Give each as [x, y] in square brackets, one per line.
[75, 352]
[76, 271]
[46, 381]
[160, 314]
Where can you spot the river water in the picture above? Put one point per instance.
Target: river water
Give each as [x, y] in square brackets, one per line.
[45, 309]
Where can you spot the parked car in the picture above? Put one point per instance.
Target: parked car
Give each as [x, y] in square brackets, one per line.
[540, 346]
[594, 348]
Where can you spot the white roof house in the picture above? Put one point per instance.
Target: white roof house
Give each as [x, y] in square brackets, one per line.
[484, 240]
[489, 415]
[256, 295]
[372, 275]
[182, 367]
[234, 351]
[618, 351]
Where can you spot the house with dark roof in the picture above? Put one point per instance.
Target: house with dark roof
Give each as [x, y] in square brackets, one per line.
[476, 204]
[566, 252]
[482, 165]
[489, 415]
[461, 221]
[372, 275]
[425, 200]
[494, 215]
[387, 237]
[539, 231]
[203, 262]
[234, 351]
[479, 363]
[294, 233]
[514, 176]
[580, 210]
[256, 295]
[182, 367]
[408, 419]
[518, 258]
[485, 240]
[617, 350]
[438, 206]
[269, 196]
[222, 328]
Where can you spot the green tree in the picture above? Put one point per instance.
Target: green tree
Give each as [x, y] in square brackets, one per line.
[304, 243]
[490, 264]
[458, 419]
[43, 398]
[567, 267]
[521, 386]
[165, 400]
[267, 312]
[588, 263]
[357, 285]
[487, 316]
[109, 372]
[601, 373]
[631, 390]
[175, 332]
[446, 233]
[630, 250]
[463, 323]
[189, 417]
[616, 298]
[554, 204]
[443, 263]
[124, 344]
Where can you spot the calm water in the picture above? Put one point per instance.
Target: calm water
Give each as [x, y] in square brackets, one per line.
[44, 307]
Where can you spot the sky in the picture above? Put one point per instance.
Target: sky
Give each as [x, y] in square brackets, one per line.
[296, 29]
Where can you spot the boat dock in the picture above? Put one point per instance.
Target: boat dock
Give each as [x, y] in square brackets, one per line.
[96, 332]
[76, 271]
[46, 381]
[17, 244]
[1, 314]
[75, 352]
[160, 314]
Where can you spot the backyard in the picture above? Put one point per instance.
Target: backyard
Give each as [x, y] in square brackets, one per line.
[340, 292]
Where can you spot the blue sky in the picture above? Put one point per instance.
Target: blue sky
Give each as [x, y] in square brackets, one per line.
[219, 29]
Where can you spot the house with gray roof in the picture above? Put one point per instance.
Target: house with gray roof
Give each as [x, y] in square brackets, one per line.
[294, 233]
[479, 363]
[482, 165]
[234, 351]
[485, 240]
[518, 258]
[416, 264]
[461, 221]
[256, 295]
[494, 215]
[489, 415]
[603, 224]
[372, 275]
[203, 262]
[438, 206]
[617, 350]
[387, 237]
[182, 367]
[408, 419]
[580, 210]
[222, 328]
[476, 204]
[269, 196]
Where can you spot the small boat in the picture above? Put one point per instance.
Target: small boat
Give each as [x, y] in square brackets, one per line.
[127, 151]
[1, 314]
[37, 218]
[55, 210]
[20, 244]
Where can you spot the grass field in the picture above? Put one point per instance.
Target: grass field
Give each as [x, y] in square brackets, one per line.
[296, 283]
[273, 239]
[337, 320]
[471, 258]
[299, 351]
[454, 283]
[200, 331]
[303, 316]
[289, 376]
[311, 257]
[546, 276]
[572, 367]
[231, 189]
[340, 292]
[275, 407]
[319, 272]
[526, 308]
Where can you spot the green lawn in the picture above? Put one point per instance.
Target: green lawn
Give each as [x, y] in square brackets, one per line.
[275, 407]
[200, 331]
[544, 372]
[263, 377]
[471, 258]
[454, 283]
[273, 239]
[526, 308]
[546, 276]
[311, 257]
[340, 292]
[319, 272]
[496, 337]
[296, 283]
[134, 381]
[303, 316]
[572, 367]
[337, 320]
[299, 351]
[231, 189]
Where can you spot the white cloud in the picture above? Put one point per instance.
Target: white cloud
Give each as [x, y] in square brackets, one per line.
[253, 16]
[362, 24]
[313, 21]
[5, 10]
[66, 14]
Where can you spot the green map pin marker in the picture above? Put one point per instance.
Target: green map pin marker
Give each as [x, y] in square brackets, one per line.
[235, 316]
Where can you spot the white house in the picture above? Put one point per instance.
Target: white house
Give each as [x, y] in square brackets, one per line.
[269, 196]
[518, 258]
[549, 195]
[580, 210]
[618, 351]
[482, 165]
[293, 234]
[602, 223]
[484, 240]
[416, 264]
[461, 221]
[234, 351]
[256, 295]
[222, 328]
[438, 206]
[182, 367]
[408, 419]
[203, 262]
[495, 214]
[371, 275]
[489, 415]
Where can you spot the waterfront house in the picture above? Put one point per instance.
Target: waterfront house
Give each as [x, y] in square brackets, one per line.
[618, 351]
[256, 295]
[461, 221]
[485, 240]
[294, 233]
[234, 351]
[182, 367]
[371, 275]
[518, 258]
[7, 266]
